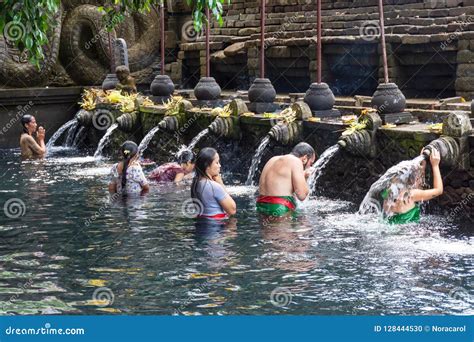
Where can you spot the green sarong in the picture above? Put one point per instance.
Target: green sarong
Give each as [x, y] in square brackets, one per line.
[275, 205]
[412, 215]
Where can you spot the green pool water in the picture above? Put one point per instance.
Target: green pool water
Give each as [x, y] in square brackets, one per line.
[65, 248]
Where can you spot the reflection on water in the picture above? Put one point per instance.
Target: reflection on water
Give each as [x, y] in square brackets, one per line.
[77, 251]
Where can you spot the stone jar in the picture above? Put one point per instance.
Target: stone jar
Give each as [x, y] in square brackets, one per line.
[110, 82]
[388, 99]
[162, 85]
[207, 89]
[319, 97]
[262, 90]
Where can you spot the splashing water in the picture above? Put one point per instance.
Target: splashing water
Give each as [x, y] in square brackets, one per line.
[256, 160]
[105, 139]
[197, 138]
[70, 134]
[147, 139]
[320, 164]
[59, 132]
[79, 136]
[399, 179]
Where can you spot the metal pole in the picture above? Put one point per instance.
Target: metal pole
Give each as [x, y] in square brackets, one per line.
[262, 40]
[162, 24]
[208, 32]
[112, 55]
[382, 41]
[319, 41]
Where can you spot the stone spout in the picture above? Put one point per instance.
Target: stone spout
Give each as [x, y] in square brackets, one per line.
[226, 127]
[169, 123]
[127, 121]
[363, 142]
[448, 148]
[286, 134]
[84, 117]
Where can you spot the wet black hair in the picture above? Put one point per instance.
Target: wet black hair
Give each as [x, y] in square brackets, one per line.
[204, 159]
[26, 119]
[129, 150]
[185, 156]
[303, 149]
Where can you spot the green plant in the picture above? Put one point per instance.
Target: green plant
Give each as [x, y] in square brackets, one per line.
[27, 24]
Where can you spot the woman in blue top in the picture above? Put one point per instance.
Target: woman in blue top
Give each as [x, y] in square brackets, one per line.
[207, 189]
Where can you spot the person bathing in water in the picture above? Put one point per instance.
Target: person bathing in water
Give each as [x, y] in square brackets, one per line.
[31, 147]
[177, 171]
[208, 190]
[127, 176]
[284, 177]
[405, 208]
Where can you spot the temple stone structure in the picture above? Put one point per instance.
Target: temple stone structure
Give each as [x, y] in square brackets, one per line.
[430, 45]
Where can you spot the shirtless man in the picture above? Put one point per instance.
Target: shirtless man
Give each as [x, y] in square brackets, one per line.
[284, 177]
[31, 148]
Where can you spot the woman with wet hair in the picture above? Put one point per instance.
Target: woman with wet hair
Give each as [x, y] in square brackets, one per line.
[403, 205]
[207, 190]
[31, 147]
[127, 176]
[175, 171]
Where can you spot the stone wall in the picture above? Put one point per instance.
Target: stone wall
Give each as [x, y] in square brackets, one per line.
[428, 45]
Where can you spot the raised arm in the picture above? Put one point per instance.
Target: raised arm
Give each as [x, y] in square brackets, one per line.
[426, 195]
[298, 179]
[39, 147]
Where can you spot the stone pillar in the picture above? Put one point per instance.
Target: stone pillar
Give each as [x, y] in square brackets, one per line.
[465, 71]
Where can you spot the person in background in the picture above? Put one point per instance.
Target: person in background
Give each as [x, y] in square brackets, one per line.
[175, 171]
[31, 147]
[207, 189]
[127, 176]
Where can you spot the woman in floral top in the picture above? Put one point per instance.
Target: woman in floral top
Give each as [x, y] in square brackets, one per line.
[127, 177]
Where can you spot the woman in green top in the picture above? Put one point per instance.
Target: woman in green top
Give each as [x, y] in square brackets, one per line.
[406, 209]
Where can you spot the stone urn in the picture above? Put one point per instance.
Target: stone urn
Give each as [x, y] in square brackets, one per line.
[262, 91]
[319, 97]
[388, 99]
[207, 89]
[110, 82]
[162, 86]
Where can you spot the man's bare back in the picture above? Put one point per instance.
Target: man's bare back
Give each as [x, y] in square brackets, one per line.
[284, 176]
